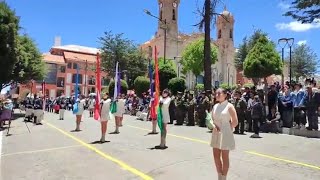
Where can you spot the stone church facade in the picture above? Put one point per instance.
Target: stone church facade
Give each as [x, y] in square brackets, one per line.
[223, 71]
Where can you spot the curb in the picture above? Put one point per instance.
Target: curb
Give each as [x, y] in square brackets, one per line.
[299, 132]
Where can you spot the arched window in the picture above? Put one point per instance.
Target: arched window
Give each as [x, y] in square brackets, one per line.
[231, 33]
[161, 14]
[173, 14]
[219, 34]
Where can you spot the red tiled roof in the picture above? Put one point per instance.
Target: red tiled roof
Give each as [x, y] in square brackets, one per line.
[80, 57]
[53, 58]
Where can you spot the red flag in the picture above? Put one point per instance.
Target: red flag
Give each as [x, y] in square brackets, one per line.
[155, 103]
[44, 95]
[97, 107]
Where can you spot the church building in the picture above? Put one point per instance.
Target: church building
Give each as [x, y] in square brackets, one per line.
[171, 43]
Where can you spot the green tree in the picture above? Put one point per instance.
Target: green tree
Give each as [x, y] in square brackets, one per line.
[304, 61]
[30, 64]
[9, 26]
[141, 85]
[241, 54]
[166, 72]
[262, 61]
[116, 48]
[305, 11]
[177, 84]
[193, 57]
[123, 90]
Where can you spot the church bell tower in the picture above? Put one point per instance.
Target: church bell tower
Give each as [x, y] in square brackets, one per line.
[168, 13]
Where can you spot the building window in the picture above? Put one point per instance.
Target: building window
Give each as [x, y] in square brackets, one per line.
[92, 90]
[75, 65]
[231, 33]
[219, 34]
[69, 65]
[161, 14]
[74, 77]
[60, 82]
[62, 69]
[92, 80]
[173, 14]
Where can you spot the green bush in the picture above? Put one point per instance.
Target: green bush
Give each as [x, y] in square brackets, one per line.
[177, 84]
[124, 87]
[249, 85]
[141, 85]
[166, 72]
[200, 87]
[226, 86]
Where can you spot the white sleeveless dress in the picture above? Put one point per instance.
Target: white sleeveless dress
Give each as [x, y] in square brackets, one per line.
[224, 139]
[105, 110]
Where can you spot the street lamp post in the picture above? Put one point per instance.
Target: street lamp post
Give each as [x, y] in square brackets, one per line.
[283, 43]
[165, 33]
[287, 41]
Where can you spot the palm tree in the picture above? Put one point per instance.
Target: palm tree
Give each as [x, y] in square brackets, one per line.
[208, 15]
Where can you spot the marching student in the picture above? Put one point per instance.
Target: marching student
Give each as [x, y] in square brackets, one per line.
[63, 105]
[164, 105]
[104, 116]
[80, 103]
[224, 121]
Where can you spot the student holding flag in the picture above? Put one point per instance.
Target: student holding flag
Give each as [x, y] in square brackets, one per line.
[163, 117]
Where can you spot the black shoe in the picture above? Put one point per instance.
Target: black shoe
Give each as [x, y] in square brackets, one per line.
[161, 147]
[38, 124]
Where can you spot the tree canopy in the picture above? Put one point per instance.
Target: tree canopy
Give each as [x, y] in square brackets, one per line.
[9, 26]
[246, 45]
[193, 57]
[141, 85]
[166, 72]
[304, 61]
[305, 11]
[116, 48]
[177, 84]
[263, 60]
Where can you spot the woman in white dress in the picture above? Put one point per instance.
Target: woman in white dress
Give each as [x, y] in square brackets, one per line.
[105, 116]
[119, 114]
[81, 103]
[224, 121]
[164, 104]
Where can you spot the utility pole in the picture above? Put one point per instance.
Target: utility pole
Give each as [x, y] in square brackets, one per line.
[165, 42]
[85, 78]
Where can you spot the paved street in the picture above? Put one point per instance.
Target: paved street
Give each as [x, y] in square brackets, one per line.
[52, 152]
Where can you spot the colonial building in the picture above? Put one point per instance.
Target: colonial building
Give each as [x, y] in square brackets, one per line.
[223, 71]
[61, 66]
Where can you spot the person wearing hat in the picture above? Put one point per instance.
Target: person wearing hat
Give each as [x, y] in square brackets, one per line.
[312, 104]
[180, 109]
[203, 105]
[104, 116]
[191, 102]
[164, 105]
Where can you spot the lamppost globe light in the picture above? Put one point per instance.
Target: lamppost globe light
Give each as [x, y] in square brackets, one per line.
[147, 12]
[290, 41]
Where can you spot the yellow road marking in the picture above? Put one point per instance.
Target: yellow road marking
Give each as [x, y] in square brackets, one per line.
[42, 150]
[248, 152]
[283, 160]
[173, 135]
[106, 156]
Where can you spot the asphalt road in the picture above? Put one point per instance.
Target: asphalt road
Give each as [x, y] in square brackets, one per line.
[52, 152]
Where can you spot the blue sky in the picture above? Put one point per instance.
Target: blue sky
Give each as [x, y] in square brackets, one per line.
[82, 21]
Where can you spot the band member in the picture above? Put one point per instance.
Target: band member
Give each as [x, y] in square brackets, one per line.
[38, 109]
[164, 105]
[80, 103]
[91, 104]
[105, 116]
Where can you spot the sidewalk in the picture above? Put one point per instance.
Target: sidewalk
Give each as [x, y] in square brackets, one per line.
[304, 132]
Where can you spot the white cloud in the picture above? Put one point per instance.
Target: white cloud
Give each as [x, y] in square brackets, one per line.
[302, 42]
[297, 26]
[284, 6]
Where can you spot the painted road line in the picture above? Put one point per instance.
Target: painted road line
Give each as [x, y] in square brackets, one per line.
[283, 160]
[173, 135]
[41, 150]
[248, 152]
[106, 156]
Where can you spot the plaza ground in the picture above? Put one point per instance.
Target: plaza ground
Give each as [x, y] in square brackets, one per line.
[52, 152]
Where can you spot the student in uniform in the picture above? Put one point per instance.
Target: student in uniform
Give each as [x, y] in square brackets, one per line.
[80, 103]
[104, 116]
[38, 109]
